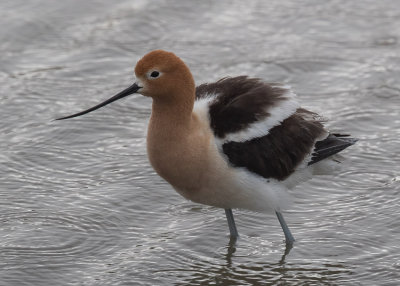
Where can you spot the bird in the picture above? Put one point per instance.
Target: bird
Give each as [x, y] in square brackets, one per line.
[237, 143]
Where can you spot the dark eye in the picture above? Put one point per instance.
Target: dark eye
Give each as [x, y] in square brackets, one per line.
[154, 74]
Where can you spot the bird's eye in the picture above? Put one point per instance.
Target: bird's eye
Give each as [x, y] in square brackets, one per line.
[155, 74]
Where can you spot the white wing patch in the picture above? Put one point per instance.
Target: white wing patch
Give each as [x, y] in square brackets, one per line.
[202, 107]
[278, 113]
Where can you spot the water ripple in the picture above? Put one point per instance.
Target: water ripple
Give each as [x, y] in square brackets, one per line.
[80, 204]
[57, 235]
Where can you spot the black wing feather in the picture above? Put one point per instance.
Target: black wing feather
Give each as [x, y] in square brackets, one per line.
[277, 154]
[331, 145]
[242, 101]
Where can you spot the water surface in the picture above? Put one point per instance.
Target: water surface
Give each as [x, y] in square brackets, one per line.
[79, 203]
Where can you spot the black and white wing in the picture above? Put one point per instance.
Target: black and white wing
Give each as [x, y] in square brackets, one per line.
[261, 127]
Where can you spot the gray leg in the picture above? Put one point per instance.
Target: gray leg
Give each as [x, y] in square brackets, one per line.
[231, 224]
[288, 235]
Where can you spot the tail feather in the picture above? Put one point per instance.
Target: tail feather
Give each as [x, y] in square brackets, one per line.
[331, 145]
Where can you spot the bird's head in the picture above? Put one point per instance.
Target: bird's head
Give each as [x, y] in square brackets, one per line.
[160, 75]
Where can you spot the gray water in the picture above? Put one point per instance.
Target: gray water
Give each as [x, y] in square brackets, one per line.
[79, 202]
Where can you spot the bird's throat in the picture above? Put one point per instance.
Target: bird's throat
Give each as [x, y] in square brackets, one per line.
[176, 146]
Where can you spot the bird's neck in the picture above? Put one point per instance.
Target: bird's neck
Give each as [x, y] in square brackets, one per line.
[170, 115]
[175, 144]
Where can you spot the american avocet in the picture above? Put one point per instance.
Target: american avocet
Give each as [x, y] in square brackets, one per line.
[234, 143]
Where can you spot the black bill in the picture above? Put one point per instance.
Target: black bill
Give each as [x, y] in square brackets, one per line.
[130, 90]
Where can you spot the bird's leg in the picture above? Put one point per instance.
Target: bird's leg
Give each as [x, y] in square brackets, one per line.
[231, 224]
[288, 235]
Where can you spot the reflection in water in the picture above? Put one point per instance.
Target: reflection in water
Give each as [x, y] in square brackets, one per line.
[288, 247]
[232, 272]
[231, 248]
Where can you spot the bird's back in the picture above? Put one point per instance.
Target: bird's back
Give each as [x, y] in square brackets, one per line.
[262, 128]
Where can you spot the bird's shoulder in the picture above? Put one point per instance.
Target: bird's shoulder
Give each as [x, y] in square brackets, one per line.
[235, 103]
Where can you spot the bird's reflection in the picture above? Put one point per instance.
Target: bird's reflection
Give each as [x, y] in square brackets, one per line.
[231, 249]
[288, 248]
[227, 272]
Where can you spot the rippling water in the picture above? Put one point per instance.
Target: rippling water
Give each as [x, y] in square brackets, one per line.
[79, 203]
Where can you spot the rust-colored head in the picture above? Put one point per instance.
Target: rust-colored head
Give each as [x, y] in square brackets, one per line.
[160, 75]
[164, 76]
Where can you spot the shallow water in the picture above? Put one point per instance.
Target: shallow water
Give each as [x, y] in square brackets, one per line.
[79, 203]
